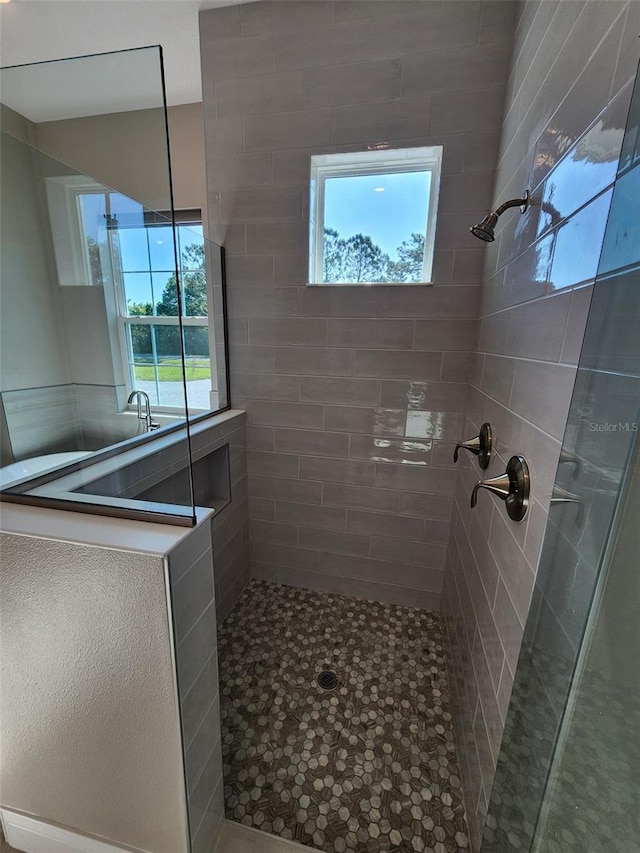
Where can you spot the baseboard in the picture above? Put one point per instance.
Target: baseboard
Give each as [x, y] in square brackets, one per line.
[37, 836]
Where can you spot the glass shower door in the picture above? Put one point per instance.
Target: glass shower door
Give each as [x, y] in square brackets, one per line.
[592, 795]
[568, 776]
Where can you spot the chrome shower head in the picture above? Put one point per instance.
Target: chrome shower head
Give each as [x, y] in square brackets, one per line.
[484, 230]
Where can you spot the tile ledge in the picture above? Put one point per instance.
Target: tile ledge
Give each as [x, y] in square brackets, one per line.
[117, 534]
[237, 838]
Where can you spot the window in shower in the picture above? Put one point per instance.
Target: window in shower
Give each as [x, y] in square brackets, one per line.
[373, 216]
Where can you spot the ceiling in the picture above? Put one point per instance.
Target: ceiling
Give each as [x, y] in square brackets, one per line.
[38, 30]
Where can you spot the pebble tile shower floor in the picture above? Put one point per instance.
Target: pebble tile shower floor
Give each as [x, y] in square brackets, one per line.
[369, 766]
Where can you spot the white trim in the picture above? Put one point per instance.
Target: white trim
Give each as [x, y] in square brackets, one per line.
[69, 246]
[323, 166]
[36, 836]
[162, 320]
[429, 155]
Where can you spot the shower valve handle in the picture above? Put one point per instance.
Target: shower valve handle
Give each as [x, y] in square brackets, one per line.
[567, 458]
[562, 496]
[479, 445]
[500, 486]
[512, 487]
[472, 445]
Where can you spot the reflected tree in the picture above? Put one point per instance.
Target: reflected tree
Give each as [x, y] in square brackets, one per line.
[194, 286]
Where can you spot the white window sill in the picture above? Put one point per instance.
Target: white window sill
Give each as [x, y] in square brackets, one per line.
[370, 284]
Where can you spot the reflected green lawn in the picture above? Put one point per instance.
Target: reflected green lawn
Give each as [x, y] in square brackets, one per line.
[170, 369]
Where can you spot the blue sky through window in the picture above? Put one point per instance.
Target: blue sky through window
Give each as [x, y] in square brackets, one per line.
[386, 207]
[146, 253]
[93, 208]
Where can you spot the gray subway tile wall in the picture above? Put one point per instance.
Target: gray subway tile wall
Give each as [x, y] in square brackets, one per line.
[568, 87]
[230, 524]
[190, 570]
[594, 466]
[42, 420]
[354, 395]
[208, 571]
[61, 418]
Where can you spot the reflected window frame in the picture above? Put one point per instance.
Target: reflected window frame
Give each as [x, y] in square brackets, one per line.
[188, 218]
[75, 268]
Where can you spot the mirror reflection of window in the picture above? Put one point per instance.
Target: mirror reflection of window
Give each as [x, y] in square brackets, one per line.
[146, 256]
[132, 252]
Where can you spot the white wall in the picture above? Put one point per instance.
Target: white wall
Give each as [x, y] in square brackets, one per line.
[128, 152]
[91, 736]
[32, 352]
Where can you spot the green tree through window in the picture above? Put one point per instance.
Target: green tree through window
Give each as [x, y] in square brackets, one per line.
[357, 259]
[410, 261]
[194, 287]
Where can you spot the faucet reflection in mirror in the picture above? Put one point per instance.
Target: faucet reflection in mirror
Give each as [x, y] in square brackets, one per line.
[139, 397]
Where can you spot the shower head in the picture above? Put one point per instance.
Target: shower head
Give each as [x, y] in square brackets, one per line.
[484, 230]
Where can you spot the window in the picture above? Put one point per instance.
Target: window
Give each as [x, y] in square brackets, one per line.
[104, 238]
[149, 310]
[373, 216]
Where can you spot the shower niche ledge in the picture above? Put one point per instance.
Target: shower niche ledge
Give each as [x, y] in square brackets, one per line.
[210, 482]
[151, 477]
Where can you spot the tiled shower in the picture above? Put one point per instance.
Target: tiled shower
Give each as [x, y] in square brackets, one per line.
[356, 396]
[372, 626]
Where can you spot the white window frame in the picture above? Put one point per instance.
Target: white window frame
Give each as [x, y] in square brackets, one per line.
[74, 269]
[125, 319]
[72, 258]
[353, 164]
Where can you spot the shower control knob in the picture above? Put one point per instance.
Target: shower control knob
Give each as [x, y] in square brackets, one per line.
[480, 446]
[512, 487]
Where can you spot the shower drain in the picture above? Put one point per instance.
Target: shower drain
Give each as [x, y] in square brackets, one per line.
[327, 680]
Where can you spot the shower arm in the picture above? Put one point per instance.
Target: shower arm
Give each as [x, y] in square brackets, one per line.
[514, 202]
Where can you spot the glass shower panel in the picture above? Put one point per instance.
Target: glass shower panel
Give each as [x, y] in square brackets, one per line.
[591, 799]
[76, 359]
[105, 288]
[202, 277]
[102, 115]
[567, 777]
